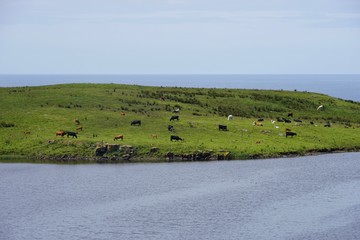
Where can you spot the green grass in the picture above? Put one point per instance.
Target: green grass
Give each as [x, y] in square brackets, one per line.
[31, 115]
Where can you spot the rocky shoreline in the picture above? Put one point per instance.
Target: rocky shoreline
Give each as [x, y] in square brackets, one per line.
[130, 156]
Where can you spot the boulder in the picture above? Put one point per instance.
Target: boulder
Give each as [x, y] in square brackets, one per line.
[169, 156]
[127, 149]
[100, 151]
[154, 149]
[112, 147]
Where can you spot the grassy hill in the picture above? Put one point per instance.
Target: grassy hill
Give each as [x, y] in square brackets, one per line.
[30, 116]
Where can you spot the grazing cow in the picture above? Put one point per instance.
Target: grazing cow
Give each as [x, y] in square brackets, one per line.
[175, 138]
[223, 128]
[290, 114]
[77, 121]
[279, 119]
[257, 124]
[291, 134]
[72, 134]
[321, 107]
[297, 120]
[230, 117]
[176, 111]
[260, 120]
[327, 125]
[312, 123]
[136, 122]
[174, 118]
[171, 128]
[153, 136]
[272, 121]
[119, 137]
[80, 128]
[60, 133]
[122, 114]
[287, 120]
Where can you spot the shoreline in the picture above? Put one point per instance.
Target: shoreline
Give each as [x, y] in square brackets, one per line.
[65, 159]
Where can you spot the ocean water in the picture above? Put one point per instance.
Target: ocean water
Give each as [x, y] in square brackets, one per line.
[341, 86]
[313, 198]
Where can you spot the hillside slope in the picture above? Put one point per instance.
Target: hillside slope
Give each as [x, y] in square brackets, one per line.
[31, 116]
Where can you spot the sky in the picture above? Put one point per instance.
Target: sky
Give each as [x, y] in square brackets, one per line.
[179, 36]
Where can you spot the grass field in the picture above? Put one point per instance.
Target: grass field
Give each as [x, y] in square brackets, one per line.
[30, 116]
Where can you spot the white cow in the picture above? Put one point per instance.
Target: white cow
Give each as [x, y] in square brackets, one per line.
[230, 117]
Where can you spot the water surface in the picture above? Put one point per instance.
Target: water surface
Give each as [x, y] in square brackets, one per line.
[293, 198]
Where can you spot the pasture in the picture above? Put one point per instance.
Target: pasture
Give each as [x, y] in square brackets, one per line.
[97, 113]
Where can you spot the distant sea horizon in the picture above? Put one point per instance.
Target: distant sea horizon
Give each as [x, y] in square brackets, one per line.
[344, 86]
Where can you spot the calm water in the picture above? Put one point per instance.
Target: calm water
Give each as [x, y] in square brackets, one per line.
[295, 198]
[341, 86]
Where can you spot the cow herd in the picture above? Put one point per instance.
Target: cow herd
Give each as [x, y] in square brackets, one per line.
[221, 127]
[169, 127]
[258, 122]
[288, 132]
[120, 136]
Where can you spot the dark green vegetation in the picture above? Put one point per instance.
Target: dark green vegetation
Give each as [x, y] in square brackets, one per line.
[30, 116]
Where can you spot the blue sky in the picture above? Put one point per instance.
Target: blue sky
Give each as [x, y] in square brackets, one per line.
[179, 36]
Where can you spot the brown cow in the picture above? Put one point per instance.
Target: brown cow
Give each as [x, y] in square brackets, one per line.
[119, 137]
[60, 133]
[257, 124]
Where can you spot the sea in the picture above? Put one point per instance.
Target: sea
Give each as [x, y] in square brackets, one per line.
[344, 86]
[303, 198]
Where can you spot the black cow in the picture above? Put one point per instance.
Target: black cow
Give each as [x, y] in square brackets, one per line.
[291, 134]
[297, 120]
[72, 134]
[171, 128]
[175, 138]
[223, 128]
[260, 120]
[174, 118]
[279, 119]
[290, 114]
[287, 120]
[327, 125]
[136, 122]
